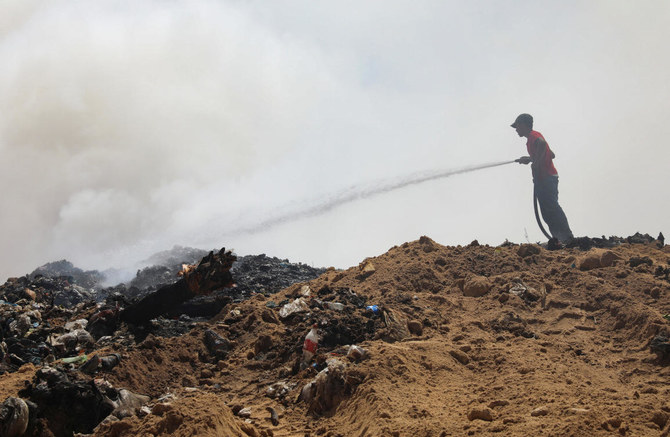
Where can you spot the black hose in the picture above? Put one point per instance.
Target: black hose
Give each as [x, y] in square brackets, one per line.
[537, 215]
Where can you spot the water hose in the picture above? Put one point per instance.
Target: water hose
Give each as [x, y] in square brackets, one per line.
[537, 215]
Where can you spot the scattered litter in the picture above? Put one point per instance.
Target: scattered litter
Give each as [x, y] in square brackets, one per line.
[108, 362]
[357, 353]
[335, 306]
[95, 363]
[216, 344]
[79, 359]
[525, 292]
[244, 412]
[274, 417]
[76, 324]
[396, 326]
[13, 417]
[330, 386]
[91, 365]
[73, 341]
[297, 306]
[278, 390]
[310, 345]
[58, 393]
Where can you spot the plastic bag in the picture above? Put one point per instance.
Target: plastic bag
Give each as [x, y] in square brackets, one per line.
[298, 305]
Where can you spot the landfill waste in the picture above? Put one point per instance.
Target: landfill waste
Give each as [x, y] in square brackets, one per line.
[216, 344]
[244, 412]
[58, 291]
[310, 345]
[73, 341]
[70, 404]
[660, 345]
[297, 306]
[595, 338]
[374, 309]
[269, 275]
[13, 417]
[279, 390]
[356, 353]
[213, 272]
[76, 324]
[335, 306]
[61, 283]
[396, 325]
[96, 363]
[128, 403]
[86, 279]
[274, 417]
[528, 294]
[79, 359]
[330, 387]
[97, 317]
[162, 268]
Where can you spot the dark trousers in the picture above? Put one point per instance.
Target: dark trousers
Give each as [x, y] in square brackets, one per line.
[546, 190]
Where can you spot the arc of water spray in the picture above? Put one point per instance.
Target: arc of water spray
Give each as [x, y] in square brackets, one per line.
[356, 192]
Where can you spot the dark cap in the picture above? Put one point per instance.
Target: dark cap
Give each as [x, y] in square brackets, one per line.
[526, 119]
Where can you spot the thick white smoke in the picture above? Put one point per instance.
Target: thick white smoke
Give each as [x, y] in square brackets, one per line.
[128, 127]
[118, 116]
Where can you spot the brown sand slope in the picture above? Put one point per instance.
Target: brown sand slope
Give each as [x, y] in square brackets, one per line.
[546, 343]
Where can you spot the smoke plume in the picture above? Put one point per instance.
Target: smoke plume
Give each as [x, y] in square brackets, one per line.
[128, 127]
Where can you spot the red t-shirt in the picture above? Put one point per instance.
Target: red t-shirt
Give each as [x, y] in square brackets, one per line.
[546, 167]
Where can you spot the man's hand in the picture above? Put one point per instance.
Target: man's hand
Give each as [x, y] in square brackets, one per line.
[523, 160]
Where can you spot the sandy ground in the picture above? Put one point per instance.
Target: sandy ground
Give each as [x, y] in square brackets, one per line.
[547, 343]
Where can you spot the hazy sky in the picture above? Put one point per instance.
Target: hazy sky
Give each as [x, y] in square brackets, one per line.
[128, 127]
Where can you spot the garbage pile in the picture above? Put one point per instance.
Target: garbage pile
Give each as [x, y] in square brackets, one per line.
[68, 404]
[89, 279]
[516, 340]
[162, 269]
[269, 275]
[58, 291]
[586, 243]
[47, 320]
[253, 273]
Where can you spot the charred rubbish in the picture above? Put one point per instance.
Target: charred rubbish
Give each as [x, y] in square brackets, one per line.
[212, 273]
[70, 405]
[90, 279]
[268, 275]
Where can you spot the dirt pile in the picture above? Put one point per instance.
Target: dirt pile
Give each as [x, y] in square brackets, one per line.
[508, 340]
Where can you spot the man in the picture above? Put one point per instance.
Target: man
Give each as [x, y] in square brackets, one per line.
[545, 177]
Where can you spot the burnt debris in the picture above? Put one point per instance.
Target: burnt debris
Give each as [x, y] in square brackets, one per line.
[212, 273]
[31, 306]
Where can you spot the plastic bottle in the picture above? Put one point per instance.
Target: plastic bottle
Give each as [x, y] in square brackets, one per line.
[335, 306]
[374, 309]
[310, 345]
